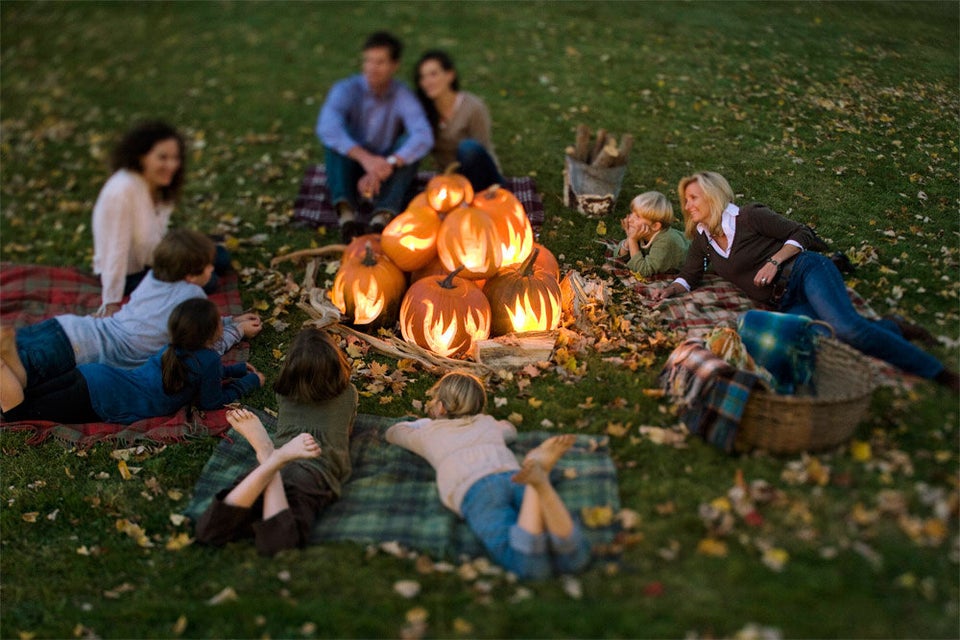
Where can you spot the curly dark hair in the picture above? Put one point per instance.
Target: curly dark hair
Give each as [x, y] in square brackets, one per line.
[138, 141]
[446, 63]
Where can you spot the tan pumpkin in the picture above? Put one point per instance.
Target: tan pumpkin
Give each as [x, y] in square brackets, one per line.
[448, 190]
[446, 315]
[523, 298]
[468, 238]
[369, 290]
[410, 239]
[510, 218]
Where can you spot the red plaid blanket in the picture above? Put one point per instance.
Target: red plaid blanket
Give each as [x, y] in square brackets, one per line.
[313, 205]
[30, 293]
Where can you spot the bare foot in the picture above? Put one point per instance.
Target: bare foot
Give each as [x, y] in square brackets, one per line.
[249, 323]
[299, 447]
[532, 473]
[8, 353]
[11, 392]
[551, 450]
[249, 426]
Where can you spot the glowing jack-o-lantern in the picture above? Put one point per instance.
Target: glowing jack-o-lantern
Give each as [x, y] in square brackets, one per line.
[468, 238]
[410, 239]
[523, 298]
[510, 218]
[369, 290]
[446, 315]
[448, 190]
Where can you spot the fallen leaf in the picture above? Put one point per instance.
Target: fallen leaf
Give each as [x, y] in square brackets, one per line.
[180, 626]
[227, 594]
[30, 516]
[407, 588]
[596, 517]
[572, 587]
[775, 558]
[712, 547]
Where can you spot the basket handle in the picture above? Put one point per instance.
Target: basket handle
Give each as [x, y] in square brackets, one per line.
[833, 334]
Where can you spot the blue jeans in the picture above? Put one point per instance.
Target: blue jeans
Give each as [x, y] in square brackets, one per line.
[45, 351]
[816, 289]
[491, 507]
[477, 165]
[343, 174]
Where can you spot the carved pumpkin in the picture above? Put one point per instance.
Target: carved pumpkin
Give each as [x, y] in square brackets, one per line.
[445, 315]
[432, 268]
[358, 247]
[448, 190]
[468, 238]
[410, 239]
[546, 260]
[523, 298]
[510, 218]
[369, 290]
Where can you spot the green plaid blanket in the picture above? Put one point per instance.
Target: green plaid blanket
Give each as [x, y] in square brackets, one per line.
[392, 495]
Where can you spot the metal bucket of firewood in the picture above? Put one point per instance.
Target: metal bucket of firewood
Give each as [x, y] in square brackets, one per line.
[593, 171]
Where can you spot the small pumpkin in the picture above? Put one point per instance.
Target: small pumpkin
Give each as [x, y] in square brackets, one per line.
[432, 268]
[369, 290]
[410, 239]
[446, 315]
[510, 218]
[448, 190]
[523, 298]
[358, 247]
[468, 238]
[546, 261]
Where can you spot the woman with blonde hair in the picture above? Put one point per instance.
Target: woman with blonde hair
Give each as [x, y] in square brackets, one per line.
[766, 256]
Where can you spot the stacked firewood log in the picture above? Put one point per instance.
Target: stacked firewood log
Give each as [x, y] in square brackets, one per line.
[602, 151]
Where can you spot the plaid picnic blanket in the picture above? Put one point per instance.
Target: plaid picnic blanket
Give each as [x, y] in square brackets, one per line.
[313, 205]
[30, 293]
[391, 495]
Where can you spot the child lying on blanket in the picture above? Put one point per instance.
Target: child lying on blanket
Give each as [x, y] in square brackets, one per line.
[187, 370]
[182, 264]
[514, 511]
[652, 245]
[303, 469]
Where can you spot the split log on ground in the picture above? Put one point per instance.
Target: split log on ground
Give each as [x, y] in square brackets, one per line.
[309, 253]
[582, 145]
[626, 145]
[598, 144]
[517, 350]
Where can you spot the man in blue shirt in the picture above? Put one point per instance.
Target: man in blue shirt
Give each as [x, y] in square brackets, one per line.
[374, 133]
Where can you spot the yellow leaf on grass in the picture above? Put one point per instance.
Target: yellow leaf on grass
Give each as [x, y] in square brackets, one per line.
[860, 451]
[179, 541]
[618, 429]
[461, 627]
[601, 228]
[226, 595]
[515, 418]
[775, 558]
[712, 547]
[533, 402]
[180, 626]
[30, 516]
[596, 517]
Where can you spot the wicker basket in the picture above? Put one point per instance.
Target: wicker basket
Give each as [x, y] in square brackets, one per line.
[781, 424]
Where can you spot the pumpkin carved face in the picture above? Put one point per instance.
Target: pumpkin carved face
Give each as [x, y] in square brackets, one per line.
[446, 315]
[523, 298]
[468, 238]
[511, 221]
[410, 239]
[448, 190]
[369, 290]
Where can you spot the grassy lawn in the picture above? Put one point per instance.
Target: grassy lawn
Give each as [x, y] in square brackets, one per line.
[842, 115]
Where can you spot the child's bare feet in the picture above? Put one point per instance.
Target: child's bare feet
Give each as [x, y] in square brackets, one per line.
[531, 473]
[301, 446]
[8, 353]
[551, 450]
[249, 426]
[249, 323]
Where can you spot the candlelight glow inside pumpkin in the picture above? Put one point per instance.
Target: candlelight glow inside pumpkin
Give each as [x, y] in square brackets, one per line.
[369, 290]
[445, 315]
[410, 239]
[524, 298]
[513, 225]
[468, 238]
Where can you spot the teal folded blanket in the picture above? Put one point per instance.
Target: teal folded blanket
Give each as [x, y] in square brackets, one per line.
[391, 495]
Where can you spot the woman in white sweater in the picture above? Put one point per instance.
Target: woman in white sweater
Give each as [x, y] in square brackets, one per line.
[132, 212]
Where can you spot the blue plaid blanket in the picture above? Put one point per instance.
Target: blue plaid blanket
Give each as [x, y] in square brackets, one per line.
[392, 494]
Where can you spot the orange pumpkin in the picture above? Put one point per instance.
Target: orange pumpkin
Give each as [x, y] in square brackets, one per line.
[358, 247]
[523, 298]
[369, 290]
[445, 315]
[410, 239]
[432, 268]
[546, 260]
[448, 190]
[510, 218]
[419, 200]
[468, 238]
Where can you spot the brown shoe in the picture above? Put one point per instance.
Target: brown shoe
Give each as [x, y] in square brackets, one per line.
[911, 331]
[949, 379]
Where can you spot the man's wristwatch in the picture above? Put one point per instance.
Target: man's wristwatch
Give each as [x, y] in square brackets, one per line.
[392, 160]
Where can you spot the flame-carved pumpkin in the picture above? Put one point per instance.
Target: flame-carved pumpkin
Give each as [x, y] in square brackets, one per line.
[523, 298]
[357, 248]
[468, 238]
[410, 239]
[510, 218]
[448, 190]
[445, 315]
[369, 290]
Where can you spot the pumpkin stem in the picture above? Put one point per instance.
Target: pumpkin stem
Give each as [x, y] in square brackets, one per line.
[491, 192]
[447, 282]
[369, 258]
[451, 168]
[526, 269]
